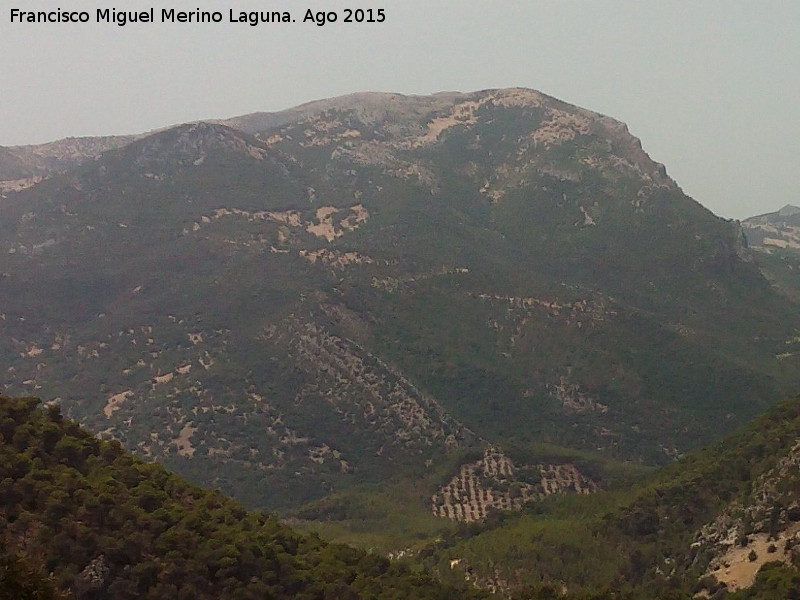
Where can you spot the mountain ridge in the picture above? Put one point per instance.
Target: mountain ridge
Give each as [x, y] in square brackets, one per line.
[341, 294]
[775, 241]
[50, 157]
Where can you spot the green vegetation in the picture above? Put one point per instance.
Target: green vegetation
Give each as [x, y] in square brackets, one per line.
[107, 525]
[20, 580]
[81, 518]
[782, 268]
[639, 541]
[396, 516]
[349, 299]
[389, 517]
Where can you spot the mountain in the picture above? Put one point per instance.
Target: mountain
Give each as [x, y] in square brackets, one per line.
[83, 519]
[780, 229]
[723, 523]
[775, 238]
[23, 166]
[450, 302]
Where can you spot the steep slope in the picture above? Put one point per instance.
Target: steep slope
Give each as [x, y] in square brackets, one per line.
[109, 526]
[775, 238]
[705, 525]
[780, 229]
[369, 287]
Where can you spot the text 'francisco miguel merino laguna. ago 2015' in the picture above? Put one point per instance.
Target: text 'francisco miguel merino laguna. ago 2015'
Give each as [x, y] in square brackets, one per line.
[171, 15]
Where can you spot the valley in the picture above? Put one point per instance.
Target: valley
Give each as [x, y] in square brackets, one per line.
[472, 330]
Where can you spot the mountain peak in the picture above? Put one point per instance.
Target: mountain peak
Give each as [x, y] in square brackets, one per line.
[369, 284]
[537, 130]
[789, 210]
[192, 144]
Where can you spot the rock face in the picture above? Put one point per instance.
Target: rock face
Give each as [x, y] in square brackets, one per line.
[289, 303]
[93, 577]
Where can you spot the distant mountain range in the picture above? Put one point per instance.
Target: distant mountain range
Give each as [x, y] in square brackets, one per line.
[775, 237]
[23, 166]
[476, 299]
[780, 229]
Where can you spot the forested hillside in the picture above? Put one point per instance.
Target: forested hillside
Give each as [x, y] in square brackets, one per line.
[705, 525]
[107, 525]
[373, 289]
[82, 518]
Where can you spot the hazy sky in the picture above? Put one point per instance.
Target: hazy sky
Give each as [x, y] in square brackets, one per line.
[712, 88]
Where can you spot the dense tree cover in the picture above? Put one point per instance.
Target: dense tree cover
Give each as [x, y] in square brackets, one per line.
[490, 270]
[21, 580]
[636, 542]
[81, 518]
[107, 525]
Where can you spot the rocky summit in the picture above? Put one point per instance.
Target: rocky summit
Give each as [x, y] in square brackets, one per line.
[382, 288]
